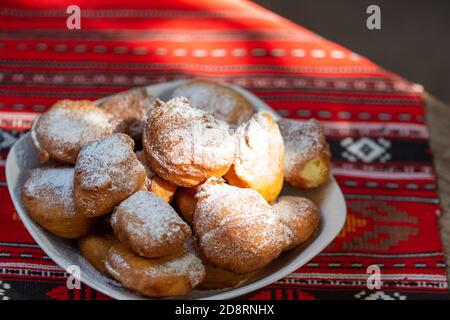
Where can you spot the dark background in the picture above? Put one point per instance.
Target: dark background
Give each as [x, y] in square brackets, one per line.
[414, 40]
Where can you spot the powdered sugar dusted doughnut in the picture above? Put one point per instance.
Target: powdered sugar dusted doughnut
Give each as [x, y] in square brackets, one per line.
[61, 132]
[185, 145]
[149, 226]
[307, 153]
[300, 216]
[237, 229]
[107, 172]
[259, 159]
[47, 197]
[216, 278]
[223, 102]
[155, 183]
[172, 275]
[129, 111]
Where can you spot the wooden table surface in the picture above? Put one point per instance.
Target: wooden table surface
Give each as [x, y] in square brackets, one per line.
[438, 120]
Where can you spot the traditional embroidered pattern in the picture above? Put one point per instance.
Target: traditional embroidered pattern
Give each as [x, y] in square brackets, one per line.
[374, 121]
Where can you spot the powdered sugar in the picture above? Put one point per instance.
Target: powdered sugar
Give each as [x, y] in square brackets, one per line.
[187, 137]
[149, 216]
[53, 185]
[203, 97]
[185, 265]
[302, 140]
[128, 110]
[181, 264]
[299, 216]
[260, 149]
[222, 207]
[290, 208]
[107, 162]
[223, 102]
[70, 123]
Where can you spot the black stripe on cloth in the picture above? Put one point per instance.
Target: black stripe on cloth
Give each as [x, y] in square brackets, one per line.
[370, 150]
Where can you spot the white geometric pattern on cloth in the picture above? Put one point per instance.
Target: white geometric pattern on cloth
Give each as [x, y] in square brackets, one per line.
[366, 149]
[4, 287]
[6, 139]
[379, 295]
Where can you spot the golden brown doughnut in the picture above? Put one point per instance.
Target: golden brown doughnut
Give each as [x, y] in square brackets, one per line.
[155, 183]
[216, 278]
[300, 216]
[185, 145]
[65, 128]
[185, 201]
[107, 172]
[172, 275]
[237, 229]
[47, 197]
[307, 153]
[223, 102]
[259, 159]
[149, 226]
[129, 111]
[94, 248]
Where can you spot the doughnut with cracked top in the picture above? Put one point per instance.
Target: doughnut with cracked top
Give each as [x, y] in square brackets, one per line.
[185, 145]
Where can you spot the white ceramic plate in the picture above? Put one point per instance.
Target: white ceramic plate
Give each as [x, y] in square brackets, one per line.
[23, 157]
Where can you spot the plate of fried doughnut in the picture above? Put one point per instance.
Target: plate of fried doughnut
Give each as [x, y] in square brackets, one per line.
[188, 189]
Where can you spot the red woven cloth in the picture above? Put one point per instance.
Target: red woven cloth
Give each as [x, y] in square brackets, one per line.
[374, 121]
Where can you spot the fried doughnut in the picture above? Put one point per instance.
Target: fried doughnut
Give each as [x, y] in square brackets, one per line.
[154, 183]
[129, 111]
[186, 146]
[259, 159]
[300, 216]
[307, 153]
[237, 229]
[94, 248]
[65, 128]
[47, 197]
[172, 275]
[107, 172]
[185, 201]
[216, 278]
[223, 102]
[149, 226]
